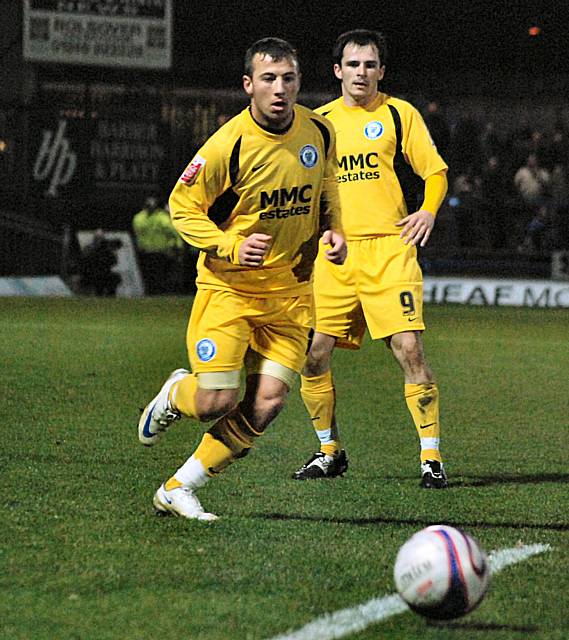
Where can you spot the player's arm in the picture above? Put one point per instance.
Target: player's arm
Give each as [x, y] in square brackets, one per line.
[417, 226]
[426, 162]
[205, 178]
[330, 210]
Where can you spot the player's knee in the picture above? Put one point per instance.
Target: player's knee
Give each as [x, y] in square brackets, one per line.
[407, 345]
[408, 349]
[212, 404]
[312, 366]
[272, 403]
[266, 408]
[318, 358]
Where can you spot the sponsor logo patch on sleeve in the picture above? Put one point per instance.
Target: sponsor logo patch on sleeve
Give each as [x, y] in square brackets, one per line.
[192, 171]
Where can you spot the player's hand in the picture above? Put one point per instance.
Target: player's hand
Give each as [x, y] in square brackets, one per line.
[253, 250]
[338, 249]
[417, 227]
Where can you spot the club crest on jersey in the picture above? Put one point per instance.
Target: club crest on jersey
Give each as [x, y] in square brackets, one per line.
[308, 156]
[192, 171]
[206, 349]
[373, 130]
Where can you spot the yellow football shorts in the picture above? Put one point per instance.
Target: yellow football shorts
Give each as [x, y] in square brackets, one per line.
[223, 325]
[379, 286]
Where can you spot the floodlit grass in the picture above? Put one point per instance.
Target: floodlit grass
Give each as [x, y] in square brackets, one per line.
[83, 556]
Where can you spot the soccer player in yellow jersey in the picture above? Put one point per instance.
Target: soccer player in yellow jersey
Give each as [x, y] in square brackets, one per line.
[255, 199]
[382, 145]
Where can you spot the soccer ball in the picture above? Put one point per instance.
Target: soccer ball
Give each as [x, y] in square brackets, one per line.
[441, 573]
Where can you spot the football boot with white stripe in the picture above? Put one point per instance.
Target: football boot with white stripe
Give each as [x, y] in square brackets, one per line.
[322, 465]
[158, 415]
[433, 475]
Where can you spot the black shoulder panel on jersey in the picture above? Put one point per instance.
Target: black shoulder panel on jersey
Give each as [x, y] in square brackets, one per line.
[325, 134]
[224, 204]
[411, 184]
[234, 162]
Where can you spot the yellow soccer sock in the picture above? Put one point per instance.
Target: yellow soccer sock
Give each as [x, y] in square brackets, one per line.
[172, 483]
[183, 395]
[230, 438]
[319, 397]
[423, 403]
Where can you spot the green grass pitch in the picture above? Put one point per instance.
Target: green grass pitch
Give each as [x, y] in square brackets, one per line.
[83, 557]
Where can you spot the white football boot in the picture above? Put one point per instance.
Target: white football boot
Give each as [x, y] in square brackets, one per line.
[182, 502]
[158, 414]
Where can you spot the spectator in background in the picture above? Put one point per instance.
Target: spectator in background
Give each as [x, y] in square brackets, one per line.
[532, 181]
[537, 232]
[491, 143]
[159, 247]
[96, 266]
[557, 148]
[465, 209]
[560, 206]
[465, 148]
[494, 196]
[519, 141]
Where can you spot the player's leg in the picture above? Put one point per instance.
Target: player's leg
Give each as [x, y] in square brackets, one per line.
[212, 389]
[391, 291]
[177, 495]
[269, 379]
[228, 440]
[233, 435]
[319, 396]
[422, 398]
[338, 321]
[216, 350]
[203, 397]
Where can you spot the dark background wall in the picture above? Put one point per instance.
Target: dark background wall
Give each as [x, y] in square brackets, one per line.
[477, 58]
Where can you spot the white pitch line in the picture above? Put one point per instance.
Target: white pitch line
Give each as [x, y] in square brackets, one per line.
[347, 621]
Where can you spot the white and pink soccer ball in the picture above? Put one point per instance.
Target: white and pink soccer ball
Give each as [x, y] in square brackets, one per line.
[441, 573]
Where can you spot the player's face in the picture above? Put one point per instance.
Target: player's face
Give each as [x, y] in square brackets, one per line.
[359, 72]
[273, 89]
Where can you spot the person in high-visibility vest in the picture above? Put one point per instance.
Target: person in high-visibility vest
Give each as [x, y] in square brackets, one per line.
[159, 247]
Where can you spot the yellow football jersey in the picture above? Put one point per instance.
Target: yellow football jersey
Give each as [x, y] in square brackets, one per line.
[248, 180]
[380, 149]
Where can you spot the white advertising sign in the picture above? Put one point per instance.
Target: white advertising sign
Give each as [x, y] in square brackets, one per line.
[501, 293]
[111, 33]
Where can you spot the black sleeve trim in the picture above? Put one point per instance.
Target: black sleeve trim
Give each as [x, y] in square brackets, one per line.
[325, 134]
[224, 204]
[234, 162]
[411, 184]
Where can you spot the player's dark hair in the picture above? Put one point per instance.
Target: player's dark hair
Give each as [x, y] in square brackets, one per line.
[277, 48]
[361, 38]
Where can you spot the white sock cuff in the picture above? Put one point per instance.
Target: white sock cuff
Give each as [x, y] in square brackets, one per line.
[192, 474]
[430, 443]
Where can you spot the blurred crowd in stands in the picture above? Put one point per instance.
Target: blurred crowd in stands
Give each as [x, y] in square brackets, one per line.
[508, 195]
[508, 188]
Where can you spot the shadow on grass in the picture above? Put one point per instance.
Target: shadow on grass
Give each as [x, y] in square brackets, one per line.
[483, 626]
[415, 522]
[510, 478]
[494, 479]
